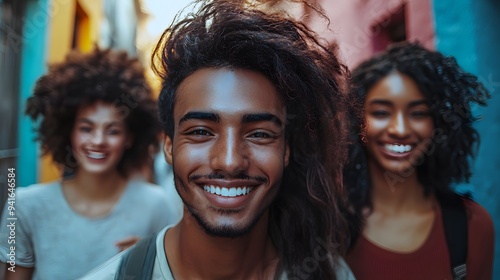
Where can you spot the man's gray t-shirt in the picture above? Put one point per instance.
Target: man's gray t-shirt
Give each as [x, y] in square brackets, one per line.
[161, 270]
[62, 244]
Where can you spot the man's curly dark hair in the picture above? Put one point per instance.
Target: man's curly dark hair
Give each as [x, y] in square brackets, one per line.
[450, 92]
[83, 79]
[311, 82]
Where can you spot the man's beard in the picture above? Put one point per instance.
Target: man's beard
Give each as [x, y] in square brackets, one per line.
[227, 231]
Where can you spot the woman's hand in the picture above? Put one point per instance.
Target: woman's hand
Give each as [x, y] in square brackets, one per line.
[127, 242]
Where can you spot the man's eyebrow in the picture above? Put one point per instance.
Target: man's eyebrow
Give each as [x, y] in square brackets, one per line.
[200, 116]
[248, 118]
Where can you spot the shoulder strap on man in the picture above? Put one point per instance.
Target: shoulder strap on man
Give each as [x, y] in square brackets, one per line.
[138, 262]
[455, 229]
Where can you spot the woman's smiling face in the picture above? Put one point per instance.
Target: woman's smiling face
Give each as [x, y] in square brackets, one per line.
[99, 138]
[399, 124]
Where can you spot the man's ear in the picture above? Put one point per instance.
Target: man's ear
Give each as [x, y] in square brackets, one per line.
[167, 149]
[287, 154]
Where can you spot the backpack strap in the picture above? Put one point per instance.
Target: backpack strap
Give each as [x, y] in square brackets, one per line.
[455, 229]
[138, 262]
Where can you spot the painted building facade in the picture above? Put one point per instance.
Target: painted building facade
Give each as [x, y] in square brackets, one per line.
[47, 31]
[34, 33]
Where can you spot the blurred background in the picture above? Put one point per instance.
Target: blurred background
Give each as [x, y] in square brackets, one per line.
[35, 33]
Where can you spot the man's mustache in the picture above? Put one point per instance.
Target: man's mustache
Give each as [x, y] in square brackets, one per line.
[222, 176]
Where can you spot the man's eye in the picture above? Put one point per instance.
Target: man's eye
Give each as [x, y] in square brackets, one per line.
[201, 132]
[260, 134]
[84, 129]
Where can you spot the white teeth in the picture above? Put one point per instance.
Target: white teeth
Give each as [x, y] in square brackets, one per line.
[398, 148]
[96, 155]
[231, 192]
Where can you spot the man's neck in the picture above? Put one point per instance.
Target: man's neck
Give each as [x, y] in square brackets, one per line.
[193, 254]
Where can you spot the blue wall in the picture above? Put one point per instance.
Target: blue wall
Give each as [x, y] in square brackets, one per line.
[33, 65]
[468, 30]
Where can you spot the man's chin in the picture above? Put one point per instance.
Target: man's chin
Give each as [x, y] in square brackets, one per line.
[226, 229]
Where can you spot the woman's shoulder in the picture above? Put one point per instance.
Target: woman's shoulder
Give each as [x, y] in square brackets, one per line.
[38, 190]
[481, 239]
[37, 197]
[479, 219]
[146, 189]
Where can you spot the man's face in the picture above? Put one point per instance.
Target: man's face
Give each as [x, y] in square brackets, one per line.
[228, 149]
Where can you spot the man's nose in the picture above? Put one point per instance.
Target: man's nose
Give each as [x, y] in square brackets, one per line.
[229, 154]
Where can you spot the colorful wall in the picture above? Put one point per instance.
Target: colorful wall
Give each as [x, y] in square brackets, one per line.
[34, 46]
[360, 28]
[51, 28]
[473, 38]
[72, 24]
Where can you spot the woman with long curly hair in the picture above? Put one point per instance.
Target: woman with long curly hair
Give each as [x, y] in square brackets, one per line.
[98, 121]
[415, 137]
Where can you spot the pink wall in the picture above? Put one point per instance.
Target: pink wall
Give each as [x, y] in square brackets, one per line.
[352, 22]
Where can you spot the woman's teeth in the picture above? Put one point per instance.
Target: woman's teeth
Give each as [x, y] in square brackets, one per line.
[96, 155]
[231, 192]
[398, 148]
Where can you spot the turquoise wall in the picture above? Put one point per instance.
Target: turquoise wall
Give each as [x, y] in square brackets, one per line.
[33, 65]
[468, 30]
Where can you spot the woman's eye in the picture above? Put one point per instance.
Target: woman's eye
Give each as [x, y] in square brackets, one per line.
[84, 129]
[114, 132]
[380, 113]
[420, 114]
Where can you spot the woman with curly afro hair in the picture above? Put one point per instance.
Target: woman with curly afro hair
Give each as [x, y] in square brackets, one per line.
[415, 136]
[97, 119]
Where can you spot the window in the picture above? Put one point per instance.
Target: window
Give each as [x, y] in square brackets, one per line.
[390, 29]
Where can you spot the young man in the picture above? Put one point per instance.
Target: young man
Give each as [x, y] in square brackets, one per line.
[256, 125]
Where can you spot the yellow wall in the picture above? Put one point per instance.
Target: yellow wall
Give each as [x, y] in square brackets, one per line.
[94, 12]
[61, 29]
[60, 43]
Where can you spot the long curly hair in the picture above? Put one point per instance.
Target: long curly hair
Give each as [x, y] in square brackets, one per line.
[450, 91]
[83, 79]
[306, 215]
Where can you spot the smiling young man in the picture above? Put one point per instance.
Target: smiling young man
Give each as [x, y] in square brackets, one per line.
[256, 124]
